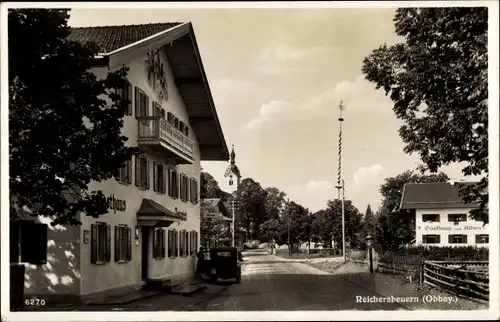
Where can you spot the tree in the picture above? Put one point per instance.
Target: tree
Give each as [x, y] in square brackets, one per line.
[213, 228]
[274, 202]
[367, 226]
[251, 209]
[271, 229]
[394, 224]
[63, 134]
[438, 81]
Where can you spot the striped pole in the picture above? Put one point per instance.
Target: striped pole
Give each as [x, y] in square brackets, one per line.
[339, 170]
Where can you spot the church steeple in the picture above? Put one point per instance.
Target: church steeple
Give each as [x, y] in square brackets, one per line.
[233, 156]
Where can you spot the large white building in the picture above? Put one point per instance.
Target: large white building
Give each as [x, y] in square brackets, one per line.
[441, 216]
[152, 228]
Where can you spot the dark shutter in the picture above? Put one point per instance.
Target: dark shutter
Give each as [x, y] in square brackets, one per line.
[176, 243]
[464, 239]
[137, 102]
[162, 243]
[155, 175]
[148, 171]
[164, 179]
[117, 243]
[195, 191]
[129, 98]
[146, 104]
[129, 171]
[129, 243]
[438, 239]
[176, 176]
[93, 249]
[34, 243]
[108, 243]
[14, 241]
[450, 239]
[137, 171]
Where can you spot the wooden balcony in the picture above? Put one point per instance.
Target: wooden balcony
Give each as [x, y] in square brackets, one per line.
[156, 134]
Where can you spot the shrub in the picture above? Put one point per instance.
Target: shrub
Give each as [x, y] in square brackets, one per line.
[415, 254]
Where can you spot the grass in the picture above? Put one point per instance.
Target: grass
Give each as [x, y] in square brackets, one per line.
[283, 253]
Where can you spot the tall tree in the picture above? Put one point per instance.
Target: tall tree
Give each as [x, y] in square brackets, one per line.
[63, 134]
[251, 209]
[209, 187]
[213, 228]
[274, 202]
[438, 81]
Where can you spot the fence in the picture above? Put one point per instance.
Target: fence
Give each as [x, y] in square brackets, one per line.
[468, 279]
[410, 272]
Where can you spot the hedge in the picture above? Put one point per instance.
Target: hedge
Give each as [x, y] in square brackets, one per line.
[415, 254]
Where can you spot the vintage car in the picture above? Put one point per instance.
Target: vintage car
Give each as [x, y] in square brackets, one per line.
[225, 263]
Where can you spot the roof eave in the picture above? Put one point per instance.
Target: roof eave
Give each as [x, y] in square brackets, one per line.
[210, 98]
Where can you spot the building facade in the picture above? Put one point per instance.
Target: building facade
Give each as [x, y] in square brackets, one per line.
[152, 228]
[441, 217]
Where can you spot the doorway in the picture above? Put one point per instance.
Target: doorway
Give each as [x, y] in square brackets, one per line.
[145, 232]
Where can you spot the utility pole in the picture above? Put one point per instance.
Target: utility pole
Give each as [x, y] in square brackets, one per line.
[232, 222]
[288, 224]
[340, 181]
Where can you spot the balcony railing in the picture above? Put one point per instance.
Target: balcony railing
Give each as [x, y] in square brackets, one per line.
[155, 129]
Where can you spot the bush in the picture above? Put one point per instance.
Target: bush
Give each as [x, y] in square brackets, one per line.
[414, 255]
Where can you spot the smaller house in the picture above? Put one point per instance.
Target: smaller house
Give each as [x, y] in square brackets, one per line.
[441, 215]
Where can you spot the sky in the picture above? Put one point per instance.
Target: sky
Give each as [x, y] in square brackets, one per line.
[277, 77]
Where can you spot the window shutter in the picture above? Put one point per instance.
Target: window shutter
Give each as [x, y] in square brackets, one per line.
[108, 243]
[14, 241]
[465, 239]
[34, 243]
[450, 239]
[129, 243]
[155, 177]
[164, 179]
[177, 185]
[176, 243]
[438, 239]
[137, 171]
[146, 104]
[93, 249]
[129, 171]
[117, 243]
[148, 171]
[163, 243]
[137, 102]
[155, 243]
[129, 98]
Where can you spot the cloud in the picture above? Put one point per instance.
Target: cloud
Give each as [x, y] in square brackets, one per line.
[281, 58]
[227, 85]
[357, 94]
[365, 185]
[313, 195]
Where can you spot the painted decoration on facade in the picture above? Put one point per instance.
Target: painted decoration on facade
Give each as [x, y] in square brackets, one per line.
[448, 228]
[156, 74]
[115, 205]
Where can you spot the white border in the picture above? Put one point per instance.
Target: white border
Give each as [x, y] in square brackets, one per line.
[491, 313]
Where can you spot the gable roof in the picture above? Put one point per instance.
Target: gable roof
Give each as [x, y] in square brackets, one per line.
[111, 38]
[434, 196]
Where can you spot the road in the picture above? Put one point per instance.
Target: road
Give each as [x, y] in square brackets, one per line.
[272, 284]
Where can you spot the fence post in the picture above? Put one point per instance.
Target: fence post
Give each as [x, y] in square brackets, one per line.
[393, 268]
[421, 272]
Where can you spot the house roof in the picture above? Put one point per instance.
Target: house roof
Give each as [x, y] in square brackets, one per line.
[110, 38]
[434, 196]
[186, 66]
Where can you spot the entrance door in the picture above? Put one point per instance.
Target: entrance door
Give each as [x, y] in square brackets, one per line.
[145, 252]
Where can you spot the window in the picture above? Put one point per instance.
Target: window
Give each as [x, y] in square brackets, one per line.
[186, 131]
[176, 123]
[159, 177]
[173, 188]
[482, 239]
[141, 103]
[123, 244]
[193, 191]
[183, 187]
[184, 243]
[430, 218]
[172, 244]
[142, 172]
[431, 239]
[29, 239]
[100, 236]
[182, 126]
[159, 243]
[456, 218]
[170, 118]
[126, 96]
[157, 109]
[457, 239]
[193, 242]
[125, 173]
[176, 243]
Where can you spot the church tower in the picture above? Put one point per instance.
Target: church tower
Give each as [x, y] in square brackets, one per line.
[233, 171]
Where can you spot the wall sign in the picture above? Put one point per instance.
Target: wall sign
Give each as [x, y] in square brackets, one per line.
[86, 236]
[116, 204]
[156, 74]
[447, 228]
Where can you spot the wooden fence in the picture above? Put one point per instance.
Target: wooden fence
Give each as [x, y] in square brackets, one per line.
[410, 272]
[465, 279]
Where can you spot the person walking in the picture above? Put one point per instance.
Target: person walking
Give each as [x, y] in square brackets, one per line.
[200, 263]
